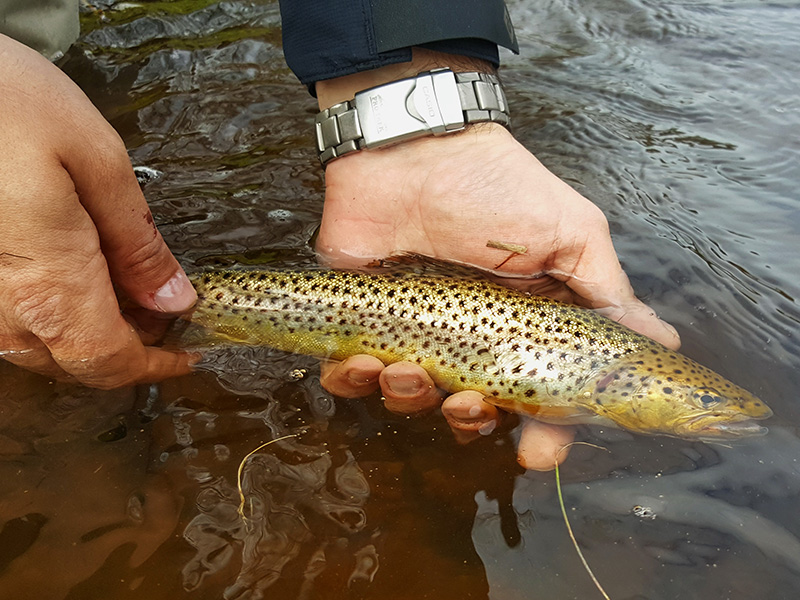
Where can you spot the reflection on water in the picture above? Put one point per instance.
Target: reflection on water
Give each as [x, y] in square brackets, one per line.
[679, 119]
[698, 528]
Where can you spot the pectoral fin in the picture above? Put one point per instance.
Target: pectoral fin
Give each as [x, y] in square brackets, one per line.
[186, 335]
[557, 415]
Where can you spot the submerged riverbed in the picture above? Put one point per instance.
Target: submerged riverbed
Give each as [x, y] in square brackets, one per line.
[679, 119]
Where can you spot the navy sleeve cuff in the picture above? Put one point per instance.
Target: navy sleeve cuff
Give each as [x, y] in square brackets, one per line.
[323, 39]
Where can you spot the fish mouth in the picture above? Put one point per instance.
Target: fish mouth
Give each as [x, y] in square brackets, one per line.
[714, 430]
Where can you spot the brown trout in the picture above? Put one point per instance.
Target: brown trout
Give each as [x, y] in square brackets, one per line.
[527, 354]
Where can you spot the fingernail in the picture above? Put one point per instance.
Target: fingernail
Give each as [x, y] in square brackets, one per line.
[175, 296]
[488, 427]
[359, 377]
[404, 386]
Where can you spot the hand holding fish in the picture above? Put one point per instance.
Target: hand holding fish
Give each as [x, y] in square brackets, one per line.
[447, 197]
[408, 389]
[74, 223]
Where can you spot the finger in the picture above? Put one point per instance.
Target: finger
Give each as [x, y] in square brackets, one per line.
[640, 317]
[355, 377]
[540, 286]
[150, 326]
[57, 287]
[542, 444]
[408, 389]
[106, 352]
[139, 261]
[130, 365]
[72, 309]
[18, 345]
[101, 174]
[634, 313]
[470, 416]
[598, 278]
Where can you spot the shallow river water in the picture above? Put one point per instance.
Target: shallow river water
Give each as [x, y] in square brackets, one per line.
[680, 119]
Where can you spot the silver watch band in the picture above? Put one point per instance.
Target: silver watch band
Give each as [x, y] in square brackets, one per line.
[432, 103]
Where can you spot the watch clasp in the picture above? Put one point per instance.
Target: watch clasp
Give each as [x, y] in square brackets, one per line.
[425, 104]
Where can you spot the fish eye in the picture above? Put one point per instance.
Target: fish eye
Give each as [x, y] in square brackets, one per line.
[707, 398]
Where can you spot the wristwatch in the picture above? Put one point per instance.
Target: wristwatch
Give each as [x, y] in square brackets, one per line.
[435, 102]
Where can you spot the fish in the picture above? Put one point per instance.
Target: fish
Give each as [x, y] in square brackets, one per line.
[527, 354]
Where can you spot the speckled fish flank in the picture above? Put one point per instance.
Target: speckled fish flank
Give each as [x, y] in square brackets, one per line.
[527, 354]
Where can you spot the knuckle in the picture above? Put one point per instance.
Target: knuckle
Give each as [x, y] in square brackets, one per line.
[59, 312]
[595, 217]
[109, 164]
[40, 309]
[109, 369]
[110, 157]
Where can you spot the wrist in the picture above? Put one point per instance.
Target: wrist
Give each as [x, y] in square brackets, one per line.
[398, 103]
[340, 89]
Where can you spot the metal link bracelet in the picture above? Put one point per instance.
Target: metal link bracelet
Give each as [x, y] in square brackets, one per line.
[435, 102]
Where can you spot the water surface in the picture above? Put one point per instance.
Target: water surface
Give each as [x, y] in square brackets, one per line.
[679, 119]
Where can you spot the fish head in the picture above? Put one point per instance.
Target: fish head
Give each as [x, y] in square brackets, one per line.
[659, 391]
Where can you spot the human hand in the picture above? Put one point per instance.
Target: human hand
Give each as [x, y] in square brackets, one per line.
[408, 390]
[74, 225]
[447, 197]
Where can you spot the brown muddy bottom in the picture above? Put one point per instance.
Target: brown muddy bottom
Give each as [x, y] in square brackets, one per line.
[678, 119]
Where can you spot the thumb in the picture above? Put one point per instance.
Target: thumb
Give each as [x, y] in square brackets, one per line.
[599, 279]
[93, 154]
[139, 261]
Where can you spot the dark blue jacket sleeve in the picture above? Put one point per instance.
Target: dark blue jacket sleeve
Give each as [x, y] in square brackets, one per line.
[323, 39]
